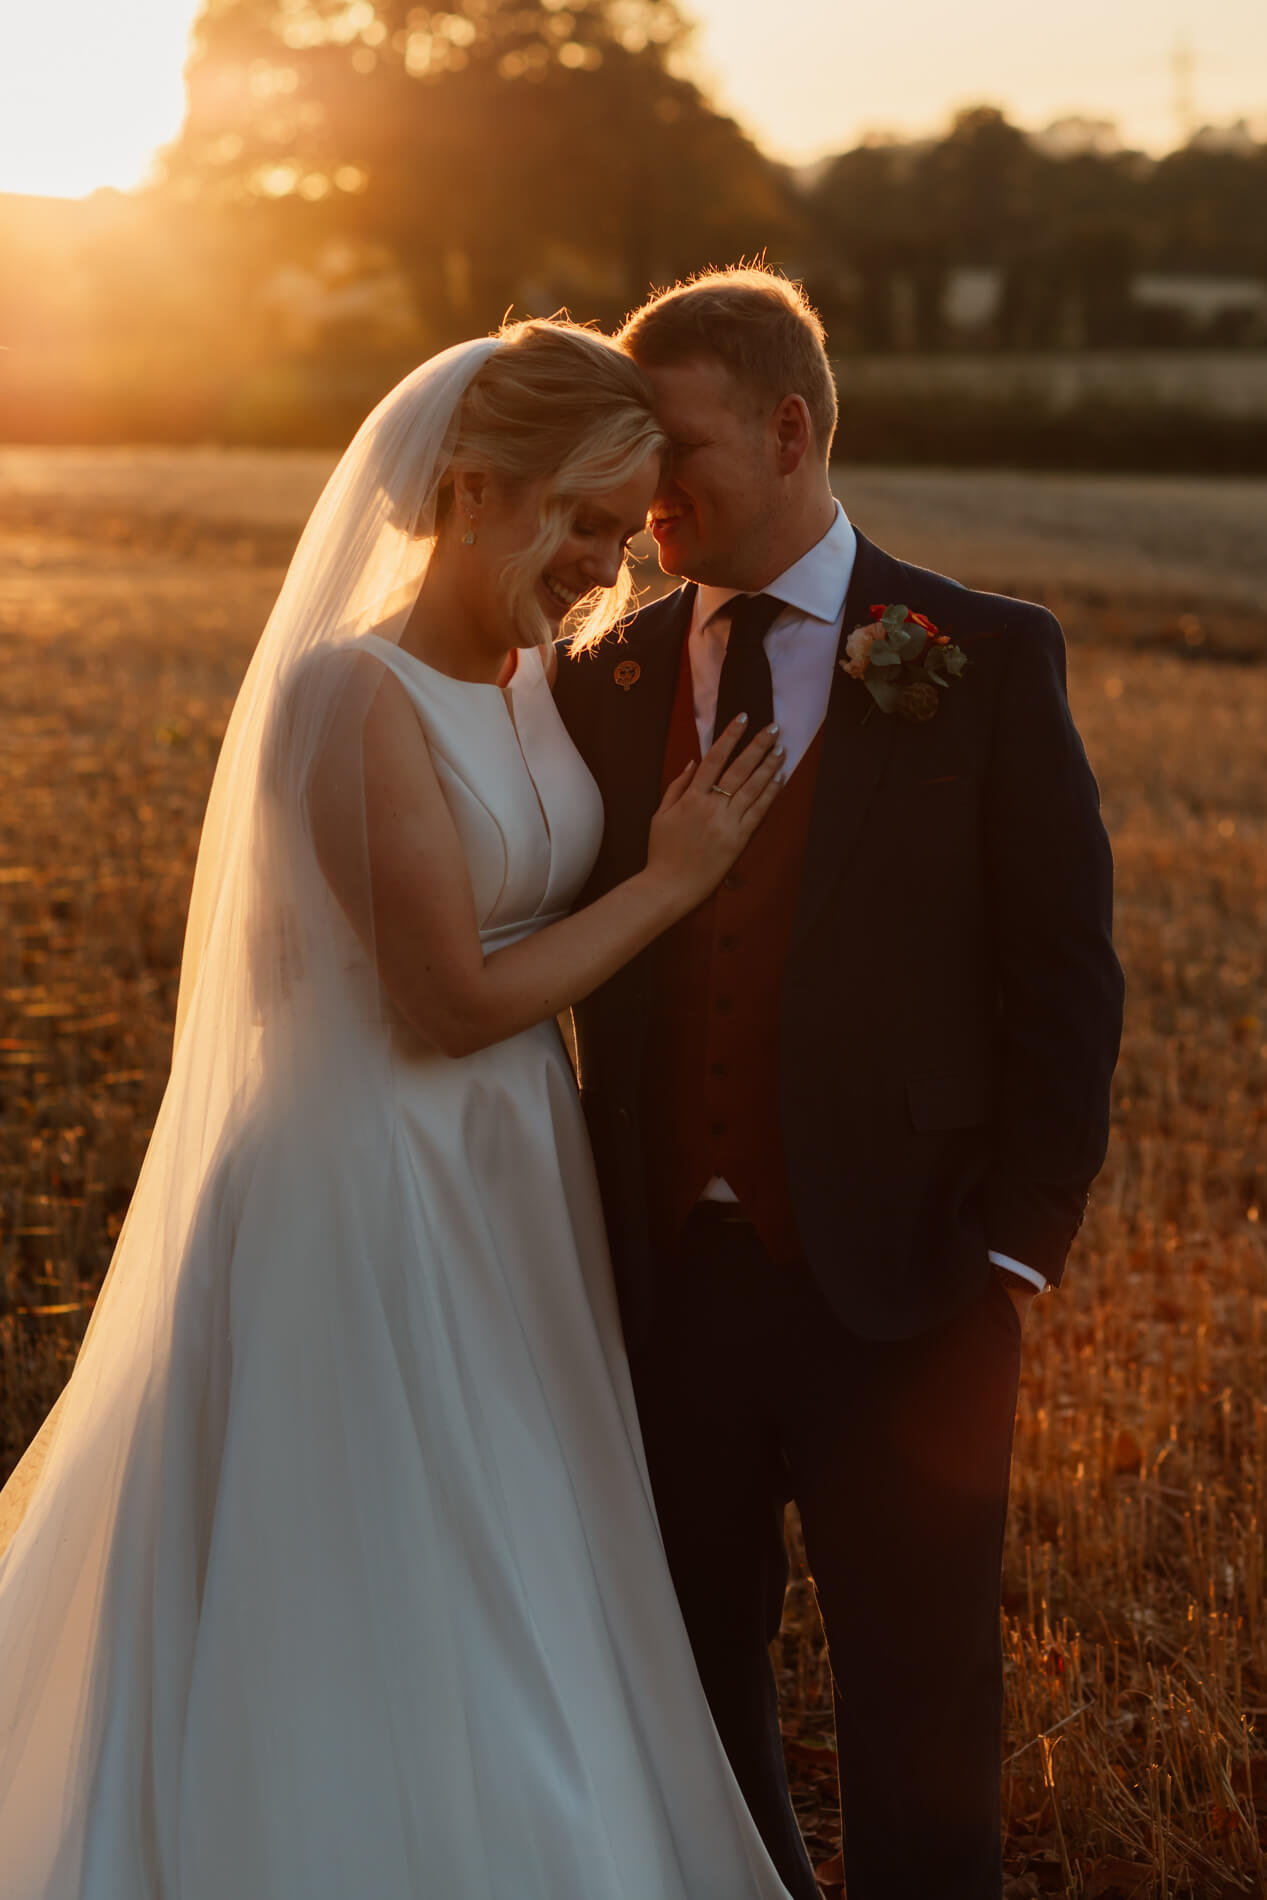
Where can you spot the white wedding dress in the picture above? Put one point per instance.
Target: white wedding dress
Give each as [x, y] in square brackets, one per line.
[377, 1609]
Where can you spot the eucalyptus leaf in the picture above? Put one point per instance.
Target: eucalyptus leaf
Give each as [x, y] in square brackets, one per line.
[883, 655]
[956, 660]
[885, 693]
[917, 640]
[894, 616]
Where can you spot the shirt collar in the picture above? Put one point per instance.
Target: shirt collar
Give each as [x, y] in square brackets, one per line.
[816, 585]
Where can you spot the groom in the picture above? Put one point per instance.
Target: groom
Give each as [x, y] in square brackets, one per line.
[846, 1114]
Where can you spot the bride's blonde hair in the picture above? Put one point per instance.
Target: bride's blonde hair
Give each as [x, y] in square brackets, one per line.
[559, 402]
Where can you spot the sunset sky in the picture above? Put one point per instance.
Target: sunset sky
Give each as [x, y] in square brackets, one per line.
[89, 90]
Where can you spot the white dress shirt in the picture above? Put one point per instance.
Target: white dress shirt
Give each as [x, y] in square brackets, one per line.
[801, 646]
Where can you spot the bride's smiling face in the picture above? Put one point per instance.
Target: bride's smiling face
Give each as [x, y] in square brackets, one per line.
[507, 523]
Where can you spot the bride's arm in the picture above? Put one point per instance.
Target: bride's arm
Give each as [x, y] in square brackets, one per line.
[395, 863]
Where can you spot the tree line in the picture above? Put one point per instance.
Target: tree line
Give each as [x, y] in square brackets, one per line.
[358, 182]
[495, 146]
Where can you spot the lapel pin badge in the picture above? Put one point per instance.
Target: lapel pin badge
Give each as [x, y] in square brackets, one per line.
[626, 674]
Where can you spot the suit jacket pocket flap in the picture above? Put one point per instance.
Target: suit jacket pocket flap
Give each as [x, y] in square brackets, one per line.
[948, 1101]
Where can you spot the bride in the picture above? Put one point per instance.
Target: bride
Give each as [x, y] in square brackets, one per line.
[334, 1573]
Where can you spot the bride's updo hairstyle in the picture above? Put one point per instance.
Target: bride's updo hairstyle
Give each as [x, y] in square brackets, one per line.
[558, 403]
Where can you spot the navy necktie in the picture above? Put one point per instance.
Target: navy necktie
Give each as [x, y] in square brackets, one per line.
[745, 684]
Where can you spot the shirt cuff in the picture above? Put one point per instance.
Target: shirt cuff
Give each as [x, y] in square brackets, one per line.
[1035, 1278]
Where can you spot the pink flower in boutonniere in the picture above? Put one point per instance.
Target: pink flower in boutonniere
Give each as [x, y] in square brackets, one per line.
[903, 661]
[858, 651]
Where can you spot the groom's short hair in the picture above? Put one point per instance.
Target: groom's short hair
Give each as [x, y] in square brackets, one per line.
[758, 324]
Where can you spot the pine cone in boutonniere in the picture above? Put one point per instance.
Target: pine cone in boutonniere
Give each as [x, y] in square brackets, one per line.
[904, 662]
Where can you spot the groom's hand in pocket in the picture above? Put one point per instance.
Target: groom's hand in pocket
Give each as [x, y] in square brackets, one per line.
[1018, 1290]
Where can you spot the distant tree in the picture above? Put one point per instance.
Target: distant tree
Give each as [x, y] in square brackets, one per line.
[1202, 209]
[1098, 259]
[900, 216]
[1068, 268]
[870, 219]
[491, 146]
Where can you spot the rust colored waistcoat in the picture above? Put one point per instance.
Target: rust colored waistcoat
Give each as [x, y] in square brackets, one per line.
[710, 1080]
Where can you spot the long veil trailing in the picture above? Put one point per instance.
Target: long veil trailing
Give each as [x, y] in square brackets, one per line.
[103, 1497]
[335, 1573]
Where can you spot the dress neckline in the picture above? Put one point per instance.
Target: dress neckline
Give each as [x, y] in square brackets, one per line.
[454, 679]
[521, 675]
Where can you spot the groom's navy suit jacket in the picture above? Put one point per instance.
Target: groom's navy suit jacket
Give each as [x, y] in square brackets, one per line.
[951, 1004]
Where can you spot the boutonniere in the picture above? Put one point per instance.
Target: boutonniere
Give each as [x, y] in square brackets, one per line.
[903, 661]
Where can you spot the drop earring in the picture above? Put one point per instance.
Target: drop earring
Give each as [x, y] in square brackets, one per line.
[468, 539]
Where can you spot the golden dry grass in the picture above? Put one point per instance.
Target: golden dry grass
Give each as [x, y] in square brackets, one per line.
[1136, 1631]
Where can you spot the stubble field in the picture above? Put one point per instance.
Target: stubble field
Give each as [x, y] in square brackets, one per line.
[132, 586]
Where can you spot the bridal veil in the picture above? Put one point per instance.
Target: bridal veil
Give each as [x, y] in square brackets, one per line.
[268, 962]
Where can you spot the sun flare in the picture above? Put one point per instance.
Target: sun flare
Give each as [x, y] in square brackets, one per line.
[88, 92]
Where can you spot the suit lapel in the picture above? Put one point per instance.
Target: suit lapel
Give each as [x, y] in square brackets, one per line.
[636, 726]
[858, 740]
